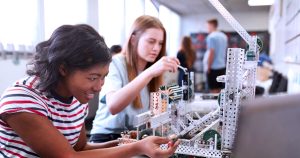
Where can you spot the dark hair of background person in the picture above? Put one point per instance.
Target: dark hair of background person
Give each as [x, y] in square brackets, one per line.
[188, 50]
[76, 47]
[115, 49]
[213, 22]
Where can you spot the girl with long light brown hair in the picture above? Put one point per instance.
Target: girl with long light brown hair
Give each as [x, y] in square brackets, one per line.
[133, 74]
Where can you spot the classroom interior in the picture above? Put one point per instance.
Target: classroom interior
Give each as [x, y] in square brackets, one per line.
[273, 87]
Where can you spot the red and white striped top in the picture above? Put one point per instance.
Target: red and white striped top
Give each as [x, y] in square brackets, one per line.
[24, 97]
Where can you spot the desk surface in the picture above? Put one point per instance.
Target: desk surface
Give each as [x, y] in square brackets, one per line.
[204, 106]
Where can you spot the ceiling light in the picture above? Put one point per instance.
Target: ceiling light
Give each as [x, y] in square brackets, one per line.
[260, 2]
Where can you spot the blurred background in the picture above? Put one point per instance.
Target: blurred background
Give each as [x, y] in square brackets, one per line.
[24, 23]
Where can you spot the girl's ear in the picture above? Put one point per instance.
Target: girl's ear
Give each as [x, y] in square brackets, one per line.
[62, 70]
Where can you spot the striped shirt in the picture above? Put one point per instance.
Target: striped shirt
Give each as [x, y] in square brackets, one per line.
[23, 96]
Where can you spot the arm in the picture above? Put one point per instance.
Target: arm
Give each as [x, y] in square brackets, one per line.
[129, 92]
[210, 59]
[39, 134]
[82, 143]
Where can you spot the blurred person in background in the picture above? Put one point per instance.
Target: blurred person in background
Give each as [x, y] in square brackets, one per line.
[215, 57]
[186, 56]
[115, 49]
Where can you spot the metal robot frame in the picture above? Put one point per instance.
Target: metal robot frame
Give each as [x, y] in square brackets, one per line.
[178, 117]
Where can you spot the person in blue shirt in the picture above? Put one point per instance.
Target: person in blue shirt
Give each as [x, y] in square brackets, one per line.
[216, 57]
[133, 74]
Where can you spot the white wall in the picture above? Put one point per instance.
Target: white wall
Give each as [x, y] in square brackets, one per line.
[171, 22]
[285, 41]
[112, 18]
[11, 72]
[252, 21]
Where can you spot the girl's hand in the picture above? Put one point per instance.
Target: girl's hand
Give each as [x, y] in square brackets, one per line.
[163, 65]
[150, 146]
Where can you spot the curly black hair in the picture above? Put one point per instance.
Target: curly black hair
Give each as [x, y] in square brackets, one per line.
[76, 47]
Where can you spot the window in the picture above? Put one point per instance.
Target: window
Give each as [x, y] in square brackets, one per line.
[111, 21]
[32, 21]
[150, 9]
[171, 22]
[133, 9]
[60, 12]
[19, 22]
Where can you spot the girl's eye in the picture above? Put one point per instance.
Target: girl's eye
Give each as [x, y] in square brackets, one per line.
[93, 78]
[151, 42]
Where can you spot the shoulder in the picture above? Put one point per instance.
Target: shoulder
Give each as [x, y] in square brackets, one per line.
[117, 68]
[118, 62]
[220, 33]
[208, 36]
[224, 35]
[211, 36]
[20, 98]
[26, 85]
[119, 59]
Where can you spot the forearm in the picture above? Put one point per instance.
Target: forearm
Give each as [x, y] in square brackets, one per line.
[91, 146]
[118, 100]
[124, 151]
